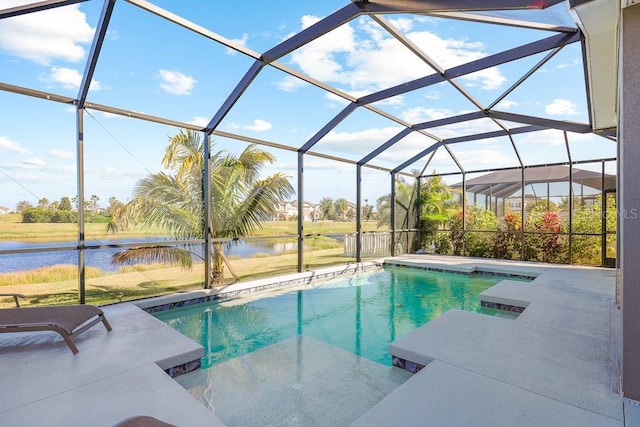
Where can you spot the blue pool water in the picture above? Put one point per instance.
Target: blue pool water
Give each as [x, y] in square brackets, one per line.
[361, 313]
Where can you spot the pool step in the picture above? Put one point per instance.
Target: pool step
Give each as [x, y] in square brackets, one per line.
[446, 395]
[564, 366]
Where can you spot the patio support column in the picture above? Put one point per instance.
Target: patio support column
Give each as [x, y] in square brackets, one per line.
[629, 197]
[206, 195]
[300, 211]
[419, 212]
[603, 219]
[464, 209]
[80, 205]
[358, 212]
[523, 237]
[566, 143]
[393, 213]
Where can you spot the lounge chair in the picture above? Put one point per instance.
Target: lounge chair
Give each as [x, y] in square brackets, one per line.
[69, 320]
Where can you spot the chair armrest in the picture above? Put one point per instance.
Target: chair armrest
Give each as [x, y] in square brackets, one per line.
[15, 297]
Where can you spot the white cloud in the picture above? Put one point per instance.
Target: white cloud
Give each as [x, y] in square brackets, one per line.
[473, 159]
[9, 145]
[356, 144]
[60, 154]
[367, 60]
[176, 83]
[402, 24]
[289, 83]
[506, 104]
[241, 42]
[34, 161]
[199, 121]
[69, 78]
[422, 114]
[433, 95]
[42, 37]
[259, 126]
[560, 107]
[544, 137]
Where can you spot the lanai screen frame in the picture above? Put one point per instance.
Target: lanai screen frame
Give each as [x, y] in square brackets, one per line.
[457, 9]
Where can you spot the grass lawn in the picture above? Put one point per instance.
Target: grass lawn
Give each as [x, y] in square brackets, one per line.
[130, 285]
[12, 229]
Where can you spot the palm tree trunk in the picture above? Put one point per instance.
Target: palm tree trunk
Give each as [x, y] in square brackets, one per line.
[218, 262]
[217, 266]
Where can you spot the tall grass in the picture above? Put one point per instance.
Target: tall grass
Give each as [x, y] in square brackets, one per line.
[54, 273]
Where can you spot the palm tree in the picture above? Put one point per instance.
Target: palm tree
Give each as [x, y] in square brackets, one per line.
[172, 203]
[94, 202]
[341, 206]
[326, 208]
[405, 205]
[43, 203]
[23, 205]
[437, 200]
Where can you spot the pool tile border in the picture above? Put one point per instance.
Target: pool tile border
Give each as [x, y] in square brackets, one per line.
[263, 287]
[472, 271]
[499, 306]
[407, 365]
[184, 368]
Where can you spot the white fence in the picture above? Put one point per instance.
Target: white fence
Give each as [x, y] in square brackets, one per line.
[372, 244]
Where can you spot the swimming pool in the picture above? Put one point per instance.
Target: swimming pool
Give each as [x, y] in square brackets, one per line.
[361, 313]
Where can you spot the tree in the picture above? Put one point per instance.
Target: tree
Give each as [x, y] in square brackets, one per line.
[341, 206]
[367, 211]
[172, 203]
[327, 208]
[65, 204]
[43, 203]
[438, 206]
[93, 204]
[437, 200]
[113, 204]
[405, 205]
[23, 205]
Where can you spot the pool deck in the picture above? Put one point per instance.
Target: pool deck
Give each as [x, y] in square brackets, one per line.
[556, 364]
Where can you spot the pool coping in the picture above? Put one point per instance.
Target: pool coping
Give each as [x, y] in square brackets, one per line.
[184, 299]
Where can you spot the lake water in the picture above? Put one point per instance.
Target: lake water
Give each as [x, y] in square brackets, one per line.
[101, 258]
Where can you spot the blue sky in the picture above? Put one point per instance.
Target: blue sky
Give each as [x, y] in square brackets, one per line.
[151, 66]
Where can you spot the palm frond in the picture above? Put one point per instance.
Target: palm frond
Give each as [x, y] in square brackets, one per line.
[154, 254]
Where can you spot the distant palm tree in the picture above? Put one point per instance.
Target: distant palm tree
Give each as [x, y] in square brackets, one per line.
[94, 202]
[172, 203]
[405, 205]
[341, 207]
[23, 205]
[326, 208]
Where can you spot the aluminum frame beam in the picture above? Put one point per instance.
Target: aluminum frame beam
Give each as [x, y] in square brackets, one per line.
[35, 7]
[542, 122]
[426, 6]
[235, 95]
[474, 66]
[311, 33]
[92, 60]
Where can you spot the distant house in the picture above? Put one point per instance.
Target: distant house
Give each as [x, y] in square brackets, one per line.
[4, 210]
[289, 211]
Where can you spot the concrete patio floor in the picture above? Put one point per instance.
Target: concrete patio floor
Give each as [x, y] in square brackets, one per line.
[555, 364]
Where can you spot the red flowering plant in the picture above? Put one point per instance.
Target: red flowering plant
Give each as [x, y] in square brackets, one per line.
[550, 244]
